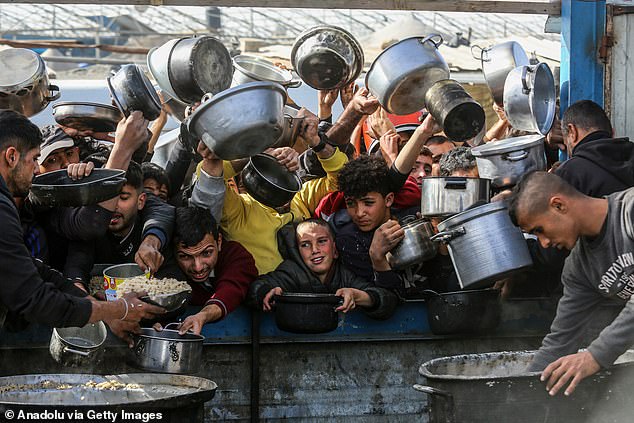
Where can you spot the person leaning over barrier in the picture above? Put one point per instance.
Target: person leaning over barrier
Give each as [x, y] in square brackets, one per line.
[599, 270]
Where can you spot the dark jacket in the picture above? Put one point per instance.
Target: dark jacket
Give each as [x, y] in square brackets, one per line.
[600, 165]
[36, 294]
[292, 275]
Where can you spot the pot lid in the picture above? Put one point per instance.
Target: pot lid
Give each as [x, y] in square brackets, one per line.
[18, 65]
[507, 145]
[471, 214]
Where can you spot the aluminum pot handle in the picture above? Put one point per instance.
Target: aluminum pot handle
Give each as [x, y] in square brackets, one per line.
[447, 236]
[54, 96]
[431, 37]
[74, 351]
[432, 391]
[520, 155]
[455, 182]
[167, 326]
[525, 88]
[296, 83]
[481, 55]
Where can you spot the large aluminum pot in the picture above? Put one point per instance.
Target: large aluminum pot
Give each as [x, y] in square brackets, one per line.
[269, 182]
[158, 64]
[460, 116]
[480, 388]
[505, 161]
[241, 121]
[530, 97]
[415, 248]
[484, 245]
[327, 57]
[497, 61]
[24, 84]
[199, 65]
[449, 195]
[166, 351]
[78, 347]
[400, 76]
[252, 69]
[131, 90]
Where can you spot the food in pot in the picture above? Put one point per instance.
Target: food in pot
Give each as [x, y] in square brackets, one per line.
[110, 385]
[152, 286]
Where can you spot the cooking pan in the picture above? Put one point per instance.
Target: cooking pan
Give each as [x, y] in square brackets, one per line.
[131, 90]
[85, 116]
[58, 189]
[307, 312]
[269, 182]
[78, 347]
[167, 351]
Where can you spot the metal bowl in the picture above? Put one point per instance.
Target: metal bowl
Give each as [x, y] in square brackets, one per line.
[169, 302]
[85, 116]
[269, 182]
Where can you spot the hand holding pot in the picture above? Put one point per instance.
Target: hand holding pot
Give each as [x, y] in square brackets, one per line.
[326, 99]
[379, 124]
[389, 146]
[79, 170]
[148, 255]
[132, 131]
[386, 237]
[352, 298]
[428, 127]
[364, 103]
[573, 368]
[347, 92]
[124, 329]
[266, 303]
[138, 309]
[195, 323]
[309, 132]
[286, 156]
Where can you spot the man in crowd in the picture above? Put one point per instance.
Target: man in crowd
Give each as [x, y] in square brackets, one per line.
[438, 145]
[458, 162]
[155, 180]
[600, 233]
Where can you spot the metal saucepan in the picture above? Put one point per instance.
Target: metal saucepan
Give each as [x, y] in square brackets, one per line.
[85, 116]
[505, 161]
[241, 121]
[530, 98]
[269, 182]
[199, 65]
[307, 312]
[484, 245]
[166, 351]
[24, 83]
[131, 90]
[449, 195]
[416, 247]
[78, 347]
[252, 69]
[471, 311]
[497, 61]
[327, 57]
[58, 189]
[460, 116]
[401, 75]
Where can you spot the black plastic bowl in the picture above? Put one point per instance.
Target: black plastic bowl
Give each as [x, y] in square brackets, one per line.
[307, 313]
[269, 182]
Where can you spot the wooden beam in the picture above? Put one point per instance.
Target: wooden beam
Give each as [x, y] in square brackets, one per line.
[539, 7]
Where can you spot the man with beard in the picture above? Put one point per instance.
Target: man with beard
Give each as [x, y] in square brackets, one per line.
[31, 289]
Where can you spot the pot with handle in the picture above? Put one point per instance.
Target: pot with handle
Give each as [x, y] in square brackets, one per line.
[292, 126]
[401, 89]
[269, 182]
[131, 90]
[484, 245]
[78, 347]
[497, 61]
[530, 98]
[24, 83]
[449, 195]
[416, 247]
[253, 69]
[307, 312]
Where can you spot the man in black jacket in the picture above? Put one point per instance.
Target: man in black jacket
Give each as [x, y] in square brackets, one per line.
[34, 292]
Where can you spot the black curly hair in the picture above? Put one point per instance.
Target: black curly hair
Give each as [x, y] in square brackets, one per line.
[363, 175]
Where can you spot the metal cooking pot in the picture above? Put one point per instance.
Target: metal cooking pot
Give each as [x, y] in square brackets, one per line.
[174, 107]
[166, 351]
[415, 247]
[449, 195]
[292, 126]
[269, 182]
[24, 84]
[199, 65]
[479, 388]
[472, 311]
[307, 312]
[58, 189]
[400, 76]
[158, 64]
[505, 161]
[241, 121]
[497, 61]
[78, 347]
[530, 97]
[252, 69]
[484, 245]
[85, 116]
[131, 90]
[460, 116]
[327, 57]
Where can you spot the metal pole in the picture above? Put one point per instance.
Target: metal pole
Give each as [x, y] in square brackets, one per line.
[255, 366]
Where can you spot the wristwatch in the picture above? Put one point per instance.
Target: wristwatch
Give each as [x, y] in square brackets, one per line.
[319, 147]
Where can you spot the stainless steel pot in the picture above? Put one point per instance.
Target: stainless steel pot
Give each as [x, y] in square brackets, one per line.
[269, 182]
[131, 90]
[252, 69]
[400, 76]
[530, 97]
[168, 352]
[199, 65]
[497, 61]
[292, 126]
[327, 57]
[460, 116]
[241, 121]
[505, 161]
[77, 347]
[416, 247]
[449, 195]
[484, 245]
[24, 84]
[85, 116]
